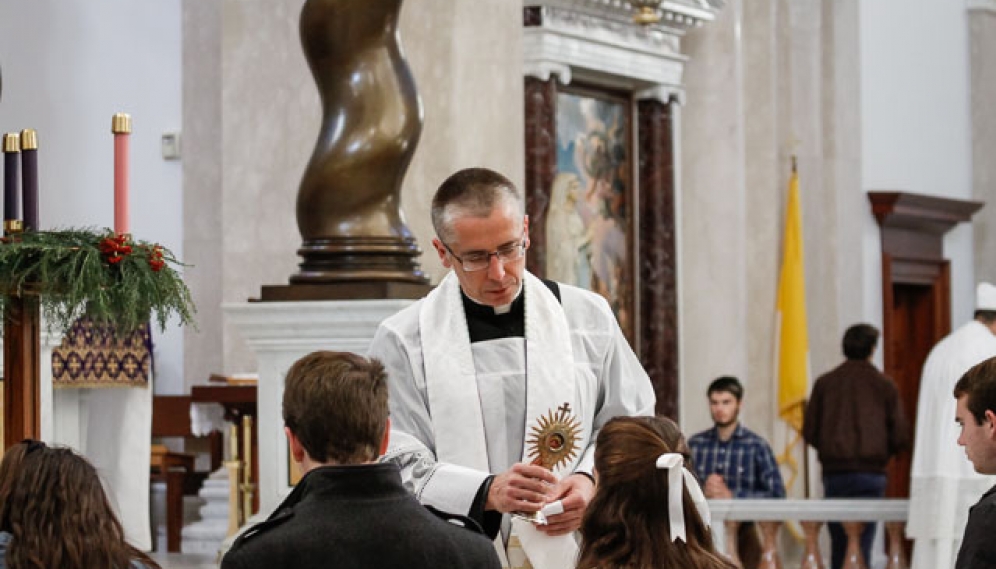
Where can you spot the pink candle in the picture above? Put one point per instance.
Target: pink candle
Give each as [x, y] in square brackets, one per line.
[121, 127]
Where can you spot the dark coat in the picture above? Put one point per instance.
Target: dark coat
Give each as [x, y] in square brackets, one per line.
[854, 419]
[357, 517]
[978, 548]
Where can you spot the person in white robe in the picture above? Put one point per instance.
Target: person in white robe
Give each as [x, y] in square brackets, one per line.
[478, 363]
[944, 484]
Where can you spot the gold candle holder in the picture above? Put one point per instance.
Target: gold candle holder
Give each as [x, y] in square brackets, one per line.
[11, 142]
[248, 489]
[12, 226]
[234, 517]
[234, 468]
[29, 139]
[121, 123]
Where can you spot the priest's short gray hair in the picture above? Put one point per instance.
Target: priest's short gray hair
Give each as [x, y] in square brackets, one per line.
[473, 192]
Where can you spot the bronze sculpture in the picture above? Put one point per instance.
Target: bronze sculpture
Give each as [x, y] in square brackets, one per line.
[348, 204]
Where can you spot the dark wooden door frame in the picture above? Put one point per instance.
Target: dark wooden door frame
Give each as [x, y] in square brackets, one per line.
[935, 274]
[912, 230]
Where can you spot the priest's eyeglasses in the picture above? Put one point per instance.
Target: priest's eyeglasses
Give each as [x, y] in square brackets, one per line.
[480, 260]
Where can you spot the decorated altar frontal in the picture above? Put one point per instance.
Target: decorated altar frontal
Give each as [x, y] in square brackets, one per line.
[94, 356]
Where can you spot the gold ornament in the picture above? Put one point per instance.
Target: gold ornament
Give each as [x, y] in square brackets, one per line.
[553, 440]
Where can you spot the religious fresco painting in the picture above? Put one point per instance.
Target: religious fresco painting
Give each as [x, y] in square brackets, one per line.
[589, 220]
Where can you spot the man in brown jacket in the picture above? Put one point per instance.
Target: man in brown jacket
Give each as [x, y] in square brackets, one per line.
[856, 424]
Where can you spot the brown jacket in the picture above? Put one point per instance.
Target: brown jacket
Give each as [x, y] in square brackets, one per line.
[854, 419]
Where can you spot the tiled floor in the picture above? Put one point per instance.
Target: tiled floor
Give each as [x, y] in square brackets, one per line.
[185, 560]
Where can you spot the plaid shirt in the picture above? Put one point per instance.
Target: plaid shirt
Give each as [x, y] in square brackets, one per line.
[745, 462]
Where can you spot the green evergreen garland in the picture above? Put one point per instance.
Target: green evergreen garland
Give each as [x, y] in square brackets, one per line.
[95, 273]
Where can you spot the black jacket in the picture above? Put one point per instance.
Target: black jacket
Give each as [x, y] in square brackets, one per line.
[353, 517]
[854, 419]
[978, 549]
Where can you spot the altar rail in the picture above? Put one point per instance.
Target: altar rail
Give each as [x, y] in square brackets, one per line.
[811, 515]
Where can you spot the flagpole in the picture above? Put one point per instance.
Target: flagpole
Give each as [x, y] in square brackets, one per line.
[805, 451]
[805, 447]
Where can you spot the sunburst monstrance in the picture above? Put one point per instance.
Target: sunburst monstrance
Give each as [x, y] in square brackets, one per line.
[553, 440]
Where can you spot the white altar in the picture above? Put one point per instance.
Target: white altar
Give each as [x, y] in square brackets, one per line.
[65, 420]
[280, 333]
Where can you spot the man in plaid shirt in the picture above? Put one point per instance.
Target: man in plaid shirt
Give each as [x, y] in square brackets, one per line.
[734, 462]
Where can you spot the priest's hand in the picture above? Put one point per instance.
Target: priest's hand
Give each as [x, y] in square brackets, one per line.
[574, 492]
[522, 488]
[716, 488]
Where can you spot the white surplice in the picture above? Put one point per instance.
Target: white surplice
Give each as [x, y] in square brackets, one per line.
[944, 484]
[445, 437]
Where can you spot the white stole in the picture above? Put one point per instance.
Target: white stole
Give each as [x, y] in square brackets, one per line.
[451, 383]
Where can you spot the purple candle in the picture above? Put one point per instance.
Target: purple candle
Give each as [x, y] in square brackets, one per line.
[29, 178]
[11, 149]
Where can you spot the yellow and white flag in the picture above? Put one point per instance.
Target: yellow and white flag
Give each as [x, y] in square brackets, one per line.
[792, 347]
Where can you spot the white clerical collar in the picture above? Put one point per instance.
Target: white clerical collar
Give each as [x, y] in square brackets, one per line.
[499, 310]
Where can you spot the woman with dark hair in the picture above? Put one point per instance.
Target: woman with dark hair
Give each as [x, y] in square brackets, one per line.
[54, 513]
[648, 511]
[10, 467]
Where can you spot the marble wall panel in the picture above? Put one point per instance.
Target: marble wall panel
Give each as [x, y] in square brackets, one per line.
[766, 95]
[982, 70]
[202, 177]
[466, 56]
[842, 167]
[712, 271]
[270, 118]
[807, 131]
[790, 82]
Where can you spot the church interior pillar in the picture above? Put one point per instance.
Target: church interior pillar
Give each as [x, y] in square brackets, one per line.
[657, 266]
[541, 161]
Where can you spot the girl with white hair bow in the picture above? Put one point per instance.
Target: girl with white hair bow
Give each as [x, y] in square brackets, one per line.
[648, 510]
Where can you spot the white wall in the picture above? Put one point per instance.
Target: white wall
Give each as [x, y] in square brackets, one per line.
[68, 66]
[916, 129]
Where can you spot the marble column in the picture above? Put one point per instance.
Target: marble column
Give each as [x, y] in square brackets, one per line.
[657, 262]
[349, 203]
[541, 162]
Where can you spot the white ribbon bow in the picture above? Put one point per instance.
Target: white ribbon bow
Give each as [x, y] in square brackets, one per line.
[677, 474]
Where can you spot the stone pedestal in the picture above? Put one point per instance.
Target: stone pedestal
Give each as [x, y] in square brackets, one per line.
[280, 333]
[206, 534]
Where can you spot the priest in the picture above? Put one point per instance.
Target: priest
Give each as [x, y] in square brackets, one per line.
[496, 368]
[944, 484]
